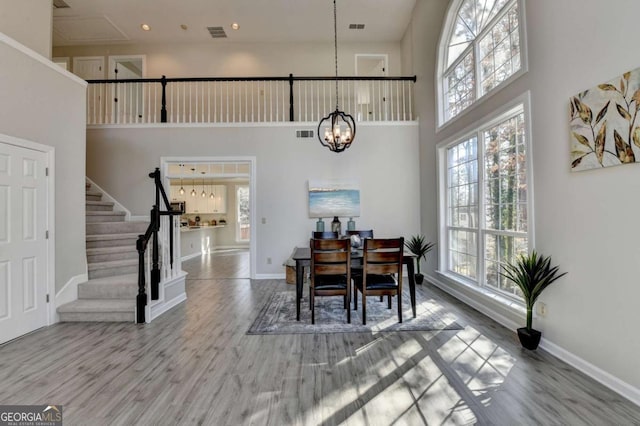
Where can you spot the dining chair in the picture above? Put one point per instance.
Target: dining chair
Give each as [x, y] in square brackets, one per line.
[324, 235]
[330, 272]
[366, 233]
[381, 272]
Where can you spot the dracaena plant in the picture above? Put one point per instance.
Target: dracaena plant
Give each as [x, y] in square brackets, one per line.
[419, 246]
[532, 274]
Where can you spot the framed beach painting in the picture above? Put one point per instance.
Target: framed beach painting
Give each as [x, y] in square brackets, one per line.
[328, 198]
[604, 123]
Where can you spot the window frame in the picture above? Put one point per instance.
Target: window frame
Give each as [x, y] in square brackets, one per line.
[520, 104]
[237, 212]
[443, 53]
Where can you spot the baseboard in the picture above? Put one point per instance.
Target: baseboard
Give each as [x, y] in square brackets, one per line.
[270, 276]
[615, 384]
[166, 306]
[161, 306]
[190, 256]
[496, 316]
[68, 293]
[231, 247]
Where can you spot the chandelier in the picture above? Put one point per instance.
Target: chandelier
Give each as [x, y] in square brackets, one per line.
[339, 127]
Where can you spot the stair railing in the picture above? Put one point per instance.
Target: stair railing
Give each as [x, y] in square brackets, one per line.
[152, 234]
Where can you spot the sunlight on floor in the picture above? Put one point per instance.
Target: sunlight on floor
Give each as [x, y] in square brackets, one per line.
[481, 364]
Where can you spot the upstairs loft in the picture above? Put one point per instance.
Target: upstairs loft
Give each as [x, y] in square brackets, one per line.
[211, 100]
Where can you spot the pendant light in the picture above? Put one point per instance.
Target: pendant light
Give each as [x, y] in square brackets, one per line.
[212, 196]
[339, 127]
[204, 194]
[193, 182]
[181, 174]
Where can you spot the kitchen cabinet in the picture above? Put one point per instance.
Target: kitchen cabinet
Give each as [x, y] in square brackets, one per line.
[199, 204]
[219, 202]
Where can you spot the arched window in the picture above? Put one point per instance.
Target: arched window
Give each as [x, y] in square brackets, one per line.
[481, 47]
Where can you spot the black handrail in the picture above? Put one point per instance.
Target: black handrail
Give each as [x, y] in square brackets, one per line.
[291, 78]
[141, 245]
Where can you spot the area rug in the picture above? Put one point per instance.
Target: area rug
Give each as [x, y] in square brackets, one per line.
[278, 316]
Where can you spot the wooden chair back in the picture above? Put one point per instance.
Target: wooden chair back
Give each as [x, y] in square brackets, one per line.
[383, 256]
[330, 257]
[325, 235]
[366, 233]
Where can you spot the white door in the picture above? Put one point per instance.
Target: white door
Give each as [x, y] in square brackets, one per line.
[372, 95]
[89, 67]
[23, 246]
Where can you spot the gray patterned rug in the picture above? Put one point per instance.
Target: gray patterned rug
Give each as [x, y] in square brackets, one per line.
[278, 316]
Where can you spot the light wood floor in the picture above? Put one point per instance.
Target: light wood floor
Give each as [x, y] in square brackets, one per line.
[196, 365]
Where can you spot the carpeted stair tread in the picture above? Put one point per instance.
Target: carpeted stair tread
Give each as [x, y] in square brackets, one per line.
[120, 227]
[110, 250]
[93, 193]
[98, 305]
[111, 264]
[102, 237]
[116, 279]
[113, 287]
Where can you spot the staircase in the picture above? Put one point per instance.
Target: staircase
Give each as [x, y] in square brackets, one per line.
[112, 260]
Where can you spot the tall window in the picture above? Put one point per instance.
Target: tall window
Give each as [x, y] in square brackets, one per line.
[480, 50]
[243, 229]
[485, 179]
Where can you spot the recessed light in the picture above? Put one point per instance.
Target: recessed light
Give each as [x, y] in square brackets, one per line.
[235, 26]
[145, 27]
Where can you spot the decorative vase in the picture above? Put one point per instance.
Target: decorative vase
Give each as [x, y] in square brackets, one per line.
[529, 338]
[320, 225]
[351, 225]
[336, 226]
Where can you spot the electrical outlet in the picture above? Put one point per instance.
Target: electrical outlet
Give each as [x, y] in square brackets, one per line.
[542, 309]
[264, 221]
[268, 261]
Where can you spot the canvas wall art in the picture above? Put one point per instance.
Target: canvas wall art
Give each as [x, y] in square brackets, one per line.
[334, 198]
[604, 124]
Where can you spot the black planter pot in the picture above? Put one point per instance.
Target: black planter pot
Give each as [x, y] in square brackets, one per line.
[529, 338]
[419, 278]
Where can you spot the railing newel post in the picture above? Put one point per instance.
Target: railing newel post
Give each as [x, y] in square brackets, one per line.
[290, 97]
[163, 109]
[141, 298]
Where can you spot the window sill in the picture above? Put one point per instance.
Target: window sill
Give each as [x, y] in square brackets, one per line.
[506, 311]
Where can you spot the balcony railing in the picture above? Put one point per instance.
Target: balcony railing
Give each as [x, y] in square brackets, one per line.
[247, 99]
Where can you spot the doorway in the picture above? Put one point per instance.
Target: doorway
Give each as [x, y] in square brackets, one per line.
[128, 99]
[372, 95]
[26, 256]
[217, 178]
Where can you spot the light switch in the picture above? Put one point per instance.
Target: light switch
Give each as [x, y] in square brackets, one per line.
[264, 220]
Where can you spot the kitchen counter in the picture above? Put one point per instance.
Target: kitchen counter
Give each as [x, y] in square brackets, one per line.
[198, 228]
[197, 240]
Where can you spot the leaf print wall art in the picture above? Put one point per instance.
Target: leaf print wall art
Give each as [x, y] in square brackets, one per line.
[605, 127]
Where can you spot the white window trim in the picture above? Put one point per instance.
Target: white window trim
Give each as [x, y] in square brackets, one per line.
[487, 121]
[237, 212]
[442, 57]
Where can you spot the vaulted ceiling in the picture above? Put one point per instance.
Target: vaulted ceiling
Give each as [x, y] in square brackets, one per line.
[185, 21]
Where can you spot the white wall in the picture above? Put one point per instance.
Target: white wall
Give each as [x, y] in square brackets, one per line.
[383, 159]
[218, 59]
[44, 104]
[29, 23]
[583, 220]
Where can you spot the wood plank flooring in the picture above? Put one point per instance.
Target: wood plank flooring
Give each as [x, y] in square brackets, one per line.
[196, 365]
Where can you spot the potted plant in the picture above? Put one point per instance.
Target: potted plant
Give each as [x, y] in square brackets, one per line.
[532, 274]
[419, 246]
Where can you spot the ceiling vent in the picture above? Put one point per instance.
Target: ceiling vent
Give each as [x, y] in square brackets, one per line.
[60, 4]
[217, 32]
[356, 26]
